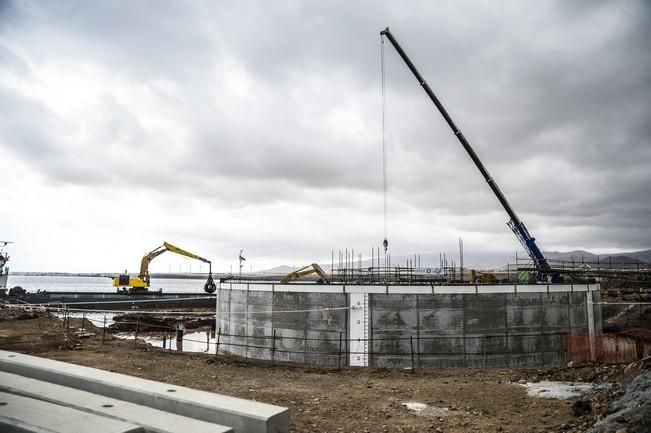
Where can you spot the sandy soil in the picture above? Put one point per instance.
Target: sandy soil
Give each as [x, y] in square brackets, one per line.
[330, 400]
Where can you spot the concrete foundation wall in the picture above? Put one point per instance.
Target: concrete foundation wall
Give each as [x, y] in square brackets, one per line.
[526, 326]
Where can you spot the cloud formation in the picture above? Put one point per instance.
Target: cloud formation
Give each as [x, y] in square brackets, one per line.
[228, 125]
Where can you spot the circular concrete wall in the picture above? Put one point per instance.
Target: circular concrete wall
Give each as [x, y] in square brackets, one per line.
[393, 326]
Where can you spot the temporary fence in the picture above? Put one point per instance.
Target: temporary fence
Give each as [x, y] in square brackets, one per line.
[337, 349]
[603, 348]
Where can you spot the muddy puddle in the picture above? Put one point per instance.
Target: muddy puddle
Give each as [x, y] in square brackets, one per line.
[197, 342]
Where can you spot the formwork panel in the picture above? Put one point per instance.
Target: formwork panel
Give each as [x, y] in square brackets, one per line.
[597, 313]
[441, 314]
[259, 324]
[526, 349]
[553, 348]
[284, 306]
[440, 350]
[238, 322]
[223, 314]
[524, 312]
[323, 348]
[394, 319]
[289, 322]
[327, 326]
[555, 312]
[391, 349]
[578, 312]
[485, 314]
[289, 345]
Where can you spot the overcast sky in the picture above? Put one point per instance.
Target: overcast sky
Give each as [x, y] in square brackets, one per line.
[220, 126]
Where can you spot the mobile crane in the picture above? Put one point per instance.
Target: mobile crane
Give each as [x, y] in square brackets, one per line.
[515, 224]
[140, 284]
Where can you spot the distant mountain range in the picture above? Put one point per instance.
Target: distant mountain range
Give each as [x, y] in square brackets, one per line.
[632, 257]
[491, 260]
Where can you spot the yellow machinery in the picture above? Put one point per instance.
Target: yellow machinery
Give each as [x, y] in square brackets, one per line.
[482, 277]
[142, 281]
[314, 268]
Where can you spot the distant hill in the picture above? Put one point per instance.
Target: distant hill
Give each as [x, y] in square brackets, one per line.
[642, 257]
[493, 260]
[282, 269]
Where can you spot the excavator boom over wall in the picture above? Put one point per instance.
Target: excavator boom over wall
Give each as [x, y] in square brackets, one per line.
[516, 225]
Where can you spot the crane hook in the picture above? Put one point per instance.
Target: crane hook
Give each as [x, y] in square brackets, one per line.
[386, 245]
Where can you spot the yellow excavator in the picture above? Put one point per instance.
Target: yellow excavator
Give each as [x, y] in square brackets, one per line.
[482, 277]
[140, 284]
[314, 268]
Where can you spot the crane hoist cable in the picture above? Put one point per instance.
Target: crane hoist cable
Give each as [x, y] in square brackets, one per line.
[385, 243]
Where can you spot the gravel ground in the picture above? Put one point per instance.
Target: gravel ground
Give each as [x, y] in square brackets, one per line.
[355, 400]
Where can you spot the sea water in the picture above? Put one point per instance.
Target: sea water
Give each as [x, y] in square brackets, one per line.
[53, 283]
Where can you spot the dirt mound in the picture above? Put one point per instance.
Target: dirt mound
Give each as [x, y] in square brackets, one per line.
[632, 411]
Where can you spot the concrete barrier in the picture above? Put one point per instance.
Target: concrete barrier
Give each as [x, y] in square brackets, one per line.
[148, 418]
[21, 414]
[242, 415]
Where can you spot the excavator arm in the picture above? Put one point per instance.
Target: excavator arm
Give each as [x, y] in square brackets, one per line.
[314, 268]
[142, 282]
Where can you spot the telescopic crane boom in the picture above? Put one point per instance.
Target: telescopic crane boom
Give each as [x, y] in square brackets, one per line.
[516, 225]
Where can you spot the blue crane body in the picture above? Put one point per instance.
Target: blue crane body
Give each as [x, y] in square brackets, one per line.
[515, 223]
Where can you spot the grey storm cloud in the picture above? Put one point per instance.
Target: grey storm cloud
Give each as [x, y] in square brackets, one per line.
[553, 95]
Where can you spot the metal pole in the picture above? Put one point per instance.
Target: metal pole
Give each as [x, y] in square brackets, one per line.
[207, 342]
[273, 347]
[219, 335]
[340, 341]
[135, 335]
[83, 321]
[411, 342]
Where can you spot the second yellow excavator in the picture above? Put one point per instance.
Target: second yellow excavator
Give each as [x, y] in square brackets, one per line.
[314, 268]
[141, 283]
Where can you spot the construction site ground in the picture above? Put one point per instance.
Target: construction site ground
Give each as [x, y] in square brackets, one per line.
[346, 400]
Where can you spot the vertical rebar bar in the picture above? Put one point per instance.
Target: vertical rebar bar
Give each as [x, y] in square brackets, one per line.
[207, 342]
[83, 321]
[104, 329]
[340, 342]
[219, 335]
[135, 334]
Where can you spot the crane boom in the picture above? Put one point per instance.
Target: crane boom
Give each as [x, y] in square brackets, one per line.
[516, 225]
